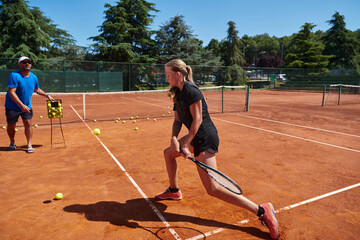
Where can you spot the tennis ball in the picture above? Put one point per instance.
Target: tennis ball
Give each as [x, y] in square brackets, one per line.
[168, 112]
[147, 119]
[36, 125]
[136, 128]
[116, 121]
[132, 118]
[4, 127]
[96, 131]
[41, 116]
[134, 121]
[16, 130]
[59, 196]
[49, 104]
[94, 120]
[137, 117]
[163, 115]
[123, 122]
[154, 119]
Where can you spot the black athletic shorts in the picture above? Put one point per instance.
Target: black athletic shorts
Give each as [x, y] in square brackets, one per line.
[209, 143]
[12, 116]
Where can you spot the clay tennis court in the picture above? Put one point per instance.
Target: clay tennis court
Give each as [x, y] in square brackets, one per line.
[286, 149]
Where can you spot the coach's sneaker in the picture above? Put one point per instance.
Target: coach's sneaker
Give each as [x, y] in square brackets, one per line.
[169, 195]
[269, 219]
[12, 147]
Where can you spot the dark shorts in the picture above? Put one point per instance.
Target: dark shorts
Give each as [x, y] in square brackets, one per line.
[209, 143]
[12, 116]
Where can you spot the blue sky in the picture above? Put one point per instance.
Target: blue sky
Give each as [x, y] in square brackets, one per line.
[208, 18]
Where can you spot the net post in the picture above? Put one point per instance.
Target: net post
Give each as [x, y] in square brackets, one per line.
[339, 94]
[323, 99]
[84, 108]
[247, 99]
[222, 98]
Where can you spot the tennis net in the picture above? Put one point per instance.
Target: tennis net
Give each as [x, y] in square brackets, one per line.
[143, 104]
[342, 94]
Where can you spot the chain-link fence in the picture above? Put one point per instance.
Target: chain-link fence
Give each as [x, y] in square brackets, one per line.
[59, 75]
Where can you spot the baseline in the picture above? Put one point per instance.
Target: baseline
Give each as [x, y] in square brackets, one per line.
[280, 210]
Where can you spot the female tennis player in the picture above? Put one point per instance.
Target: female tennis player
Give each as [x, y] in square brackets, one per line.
[190, 109]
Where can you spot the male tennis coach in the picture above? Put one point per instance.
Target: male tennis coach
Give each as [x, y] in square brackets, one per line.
[21, 85]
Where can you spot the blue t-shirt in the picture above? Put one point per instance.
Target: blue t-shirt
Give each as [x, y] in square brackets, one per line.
[25, 87]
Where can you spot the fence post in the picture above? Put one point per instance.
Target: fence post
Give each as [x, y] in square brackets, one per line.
[339, 94]
[247, 99]
[323, 99]
[129, 77]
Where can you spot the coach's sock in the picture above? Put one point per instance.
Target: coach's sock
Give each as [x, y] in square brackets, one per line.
[261, 212]
[173, 190]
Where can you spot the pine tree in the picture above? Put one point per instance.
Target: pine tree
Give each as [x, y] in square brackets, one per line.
[124, 34]
[341, 44]
[19, 33]
[304, 52]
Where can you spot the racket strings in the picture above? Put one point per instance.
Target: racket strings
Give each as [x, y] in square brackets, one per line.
[224, 181]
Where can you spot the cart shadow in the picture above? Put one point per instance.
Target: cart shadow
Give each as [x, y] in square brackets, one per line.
[137, 210]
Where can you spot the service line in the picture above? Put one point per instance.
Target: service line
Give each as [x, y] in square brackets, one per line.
[287, 135]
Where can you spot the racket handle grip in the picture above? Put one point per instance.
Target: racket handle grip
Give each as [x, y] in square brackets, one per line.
[182, 152]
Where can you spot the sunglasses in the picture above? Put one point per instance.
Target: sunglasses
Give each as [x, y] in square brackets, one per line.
[25, 62]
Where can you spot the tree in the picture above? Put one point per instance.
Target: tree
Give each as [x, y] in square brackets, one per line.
[341, 44]
[124, 34]
[304, 52]
[62, 43]
[19, 33]
[231, 54]
[175, 39]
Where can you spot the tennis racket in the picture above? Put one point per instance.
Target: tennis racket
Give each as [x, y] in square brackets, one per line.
[217, 176]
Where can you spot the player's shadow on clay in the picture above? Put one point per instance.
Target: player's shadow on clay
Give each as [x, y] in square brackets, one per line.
[19, 148]
[137, 210]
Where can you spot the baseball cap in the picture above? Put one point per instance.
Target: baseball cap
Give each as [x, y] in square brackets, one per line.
[23, 58]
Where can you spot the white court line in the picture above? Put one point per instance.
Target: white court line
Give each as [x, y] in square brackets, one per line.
[296, 125]
[279, 210]
[288, 135]
[157, 212]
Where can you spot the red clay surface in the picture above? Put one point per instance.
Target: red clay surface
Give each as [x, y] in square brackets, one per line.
[267, 150]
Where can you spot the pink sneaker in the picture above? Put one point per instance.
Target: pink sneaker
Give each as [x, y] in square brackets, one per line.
[168, 195]
[269, 219]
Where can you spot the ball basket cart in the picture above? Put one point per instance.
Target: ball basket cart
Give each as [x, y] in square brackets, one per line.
[55, 110]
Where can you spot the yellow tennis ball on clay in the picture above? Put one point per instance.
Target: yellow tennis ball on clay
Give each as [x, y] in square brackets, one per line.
[134, 121]
[168, 112]
[116, 121]
[16, 130]
[147, 119]
[96, 131]
[123, 122]
[137, 117]
[94, 120]
[4, 127]
[41, 116]
[155, 120]
[132, 118]
[36, 125]
[136, 128]
[163, 115]
[59, 196]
